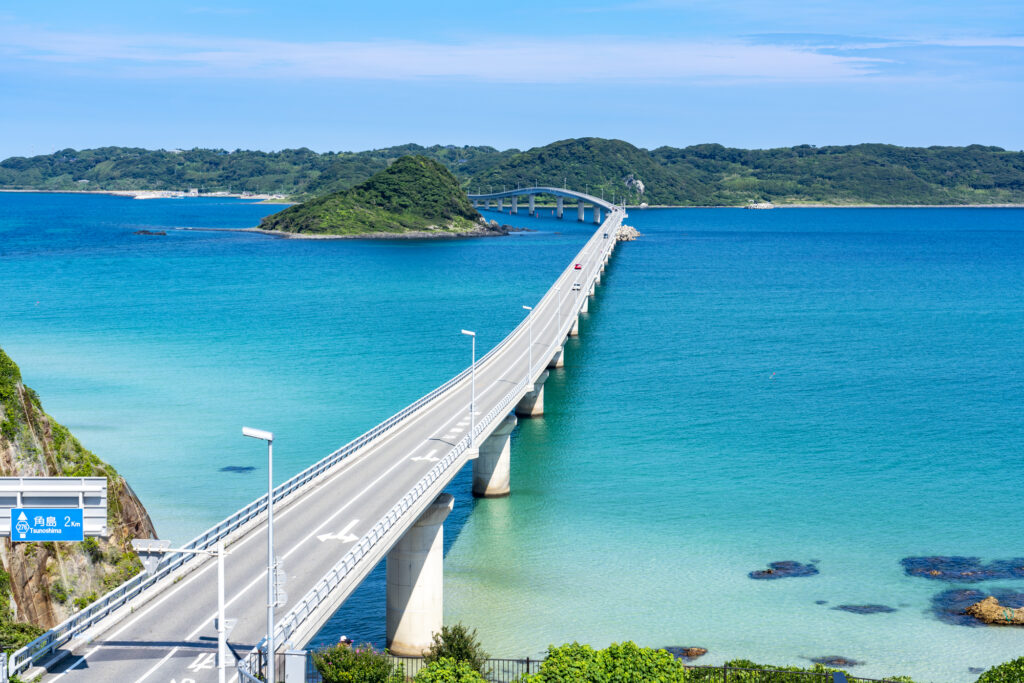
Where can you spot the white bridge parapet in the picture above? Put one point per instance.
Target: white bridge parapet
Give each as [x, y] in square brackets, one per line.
[336, 520]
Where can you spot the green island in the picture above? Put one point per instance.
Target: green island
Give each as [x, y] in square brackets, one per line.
[698, 175]
[414, 196]
[41, 584]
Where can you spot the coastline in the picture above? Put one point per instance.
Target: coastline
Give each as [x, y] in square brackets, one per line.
[836, 206]
[282, 200]
[164, 194]
[411, 235]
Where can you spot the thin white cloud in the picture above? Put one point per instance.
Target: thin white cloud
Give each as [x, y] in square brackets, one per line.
[596, 58]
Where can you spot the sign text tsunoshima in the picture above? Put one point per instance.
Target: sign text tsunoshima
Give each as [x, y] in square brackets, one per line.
[47, 524]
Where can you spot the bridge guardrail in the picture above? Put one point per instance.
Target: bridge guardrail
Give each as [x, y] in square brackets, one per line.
[78, 623]
[288, 625]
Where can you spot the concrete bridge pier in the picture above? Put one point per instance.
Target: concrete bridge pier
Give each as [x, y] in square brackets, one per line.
[593, 289]
[415, 582]
[579, 210]
[585, 308]
[557, 360]
[532, 199]
[501, 205]
[492, 470]
[558, 206]
[575, 330]
[532, 404]
[515, 205]
[597, 214]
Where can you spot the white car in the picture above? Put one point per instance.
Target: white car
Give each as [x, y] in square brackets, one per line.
[576, 287]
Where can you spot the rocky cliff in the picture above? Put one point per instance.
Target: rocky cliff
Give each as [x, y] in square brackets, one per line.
[43, 583]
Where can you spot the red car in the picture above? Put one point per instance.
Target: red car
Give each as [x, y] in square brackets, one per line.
[579, 267]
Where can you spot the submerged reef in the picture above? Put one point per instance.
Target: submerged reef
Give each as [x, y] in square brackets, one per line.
[782, 570]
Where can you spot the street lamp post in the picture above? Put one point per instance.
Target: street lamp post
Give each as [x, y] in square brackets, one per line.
[269, 438]
[529, 368]
[472, 396]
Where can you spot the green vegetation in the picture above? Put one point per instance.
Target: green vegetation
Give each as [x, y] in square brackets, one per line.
[770, 674]
[458, 643]
[700, 175]
[1010, 672]
[625, 663]
[360, 664]
[295, 172]
[13, 634]
[446, 670]
[414, 193]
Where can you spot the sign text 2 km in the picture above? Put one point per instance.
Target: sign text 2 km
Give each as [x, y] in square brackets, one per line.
[47, 524]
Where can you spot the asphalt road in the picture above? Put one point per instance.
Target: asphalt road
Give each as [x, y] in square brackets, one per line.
[171, 638]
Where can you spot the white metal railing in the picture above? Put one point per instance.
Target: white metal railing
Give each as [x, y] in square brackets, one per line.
[308, 604]
[78, 623]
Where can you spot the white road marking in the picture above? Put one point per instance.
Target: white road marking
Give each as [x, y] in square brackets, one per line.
[344, 536]
[207, 660]
[199, 572]
[429, 457]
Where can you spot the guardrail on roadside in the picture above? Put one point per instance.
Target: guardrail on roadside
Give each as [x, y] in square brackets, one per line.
[78, 623]
[248, 666]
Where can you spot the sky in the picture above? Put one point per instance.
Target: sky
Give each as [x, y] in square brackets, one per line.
[348, 76]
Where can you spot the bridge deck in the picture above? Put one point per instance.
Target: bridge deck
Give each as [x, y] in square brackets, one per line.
[169, 636]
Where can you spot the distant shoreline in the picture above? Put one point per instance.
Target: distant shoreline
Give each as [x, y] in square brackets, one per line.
[279, 199]
[164, 194]
[411, 235]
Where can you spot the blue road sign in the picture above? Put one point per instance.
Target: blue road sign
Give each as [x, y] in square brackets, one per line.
[47, 524]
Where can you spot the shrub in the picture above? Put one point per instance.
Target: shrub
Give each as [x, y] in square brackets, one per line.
[446, 670]
[360, 664]
[460, 644]
[14, 635]
[92, 549]
[625, 663]
[86, 600]
[1010, 672]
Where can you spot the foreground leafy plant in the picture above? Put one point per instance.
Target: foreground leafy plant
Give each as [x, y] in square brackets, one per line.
[459, 643]
[446, 670]
[360, 664]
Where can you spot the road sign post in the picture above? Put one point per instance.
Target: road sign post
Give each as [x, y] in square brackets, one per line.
[151, 550]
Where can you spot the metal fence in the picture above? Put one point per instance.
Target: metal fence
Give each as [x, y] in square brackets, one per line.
[512, 671]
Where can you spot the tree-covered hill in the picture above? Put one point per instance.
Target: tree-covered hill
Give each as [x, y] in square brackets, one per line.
[412, 194]
[705, 175]
[294, 172]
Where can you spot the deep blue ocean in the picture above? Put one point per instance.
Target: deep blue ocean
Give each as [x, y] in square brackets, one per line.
[836, 386]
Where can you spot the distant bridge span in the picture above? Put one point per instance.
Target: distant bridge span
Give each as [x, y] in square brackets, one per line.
[559, 193]
[379, 496]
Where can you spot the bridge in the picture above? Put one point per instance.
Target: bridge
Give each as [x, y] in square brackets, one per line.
[379, 496]
[560, 195]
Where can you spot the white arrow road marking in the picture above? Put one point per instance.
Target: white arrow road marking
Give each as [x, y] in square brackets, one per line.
[344, 536]
[429, 457]
[204, 661]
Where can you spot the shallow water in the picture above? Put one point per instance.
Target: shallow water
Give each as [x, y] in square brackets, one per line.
[836, 385]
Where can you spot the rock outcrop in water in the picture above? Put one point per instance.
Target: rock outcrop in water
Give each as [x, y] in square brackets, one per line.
[44, 583]
[959, 569]
[627, 233]
[785, 569]
[951, 606]
[990, 611]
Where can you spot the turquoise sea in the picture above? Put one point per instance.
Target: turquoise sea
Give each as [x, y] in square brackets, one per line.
[842, 386]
